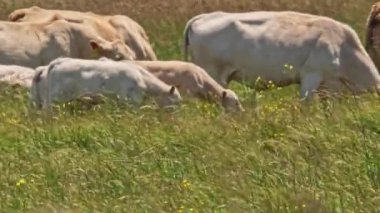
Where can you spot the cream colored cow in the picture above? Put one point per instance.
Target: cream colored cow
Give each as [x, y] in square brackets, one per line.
[192, 80]
[372, 41]
[36, 44]
[108, 27]
[67, 79]
[16, 75]
[245, 46]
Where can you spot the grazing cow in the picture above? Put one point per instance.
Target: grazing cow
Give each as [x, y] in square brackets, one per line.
[67, 79]
[320, 51]
[16, 75]
[192, 80]
[35, 44]
[108, 27]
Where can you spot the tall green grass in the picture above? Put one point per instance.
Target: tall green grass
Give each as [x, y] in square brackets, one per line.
[278, 156]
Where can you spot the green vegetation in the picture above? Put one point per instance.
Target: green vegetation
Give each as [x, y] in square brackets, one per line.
[278, 156]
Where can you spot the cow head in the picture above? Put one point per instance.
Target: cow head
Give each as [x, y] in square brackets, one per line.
[171, 98]
[372, 35]
[230, 101]
[20, 14]
[116, 50]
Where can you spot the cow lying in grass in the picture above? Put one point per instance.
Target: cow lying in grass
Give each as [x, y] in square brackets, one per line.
[16, 75]
[36, 44]
[109, 28]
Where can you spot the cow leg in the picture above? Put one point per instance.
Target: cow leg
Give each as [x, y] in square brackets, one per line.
[330, 88]
[47, 107]
[217, 73]
[46, 102]
[235, 75]
[310, 83]
[217, 69]
[135, 96]
[319, 64]
[226, 75]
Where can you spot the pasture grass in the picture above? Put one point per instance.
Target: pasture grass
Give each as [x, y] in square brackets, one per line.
[277, 156]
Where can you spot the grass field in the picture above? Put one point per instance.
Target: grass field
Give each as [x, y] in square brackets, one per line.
[278, 156]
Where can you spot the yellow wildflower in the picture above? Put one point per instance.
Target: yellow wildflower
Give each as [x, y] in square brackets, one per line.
[21, 182]
[185, 184]
[317, 196]
[180, 210]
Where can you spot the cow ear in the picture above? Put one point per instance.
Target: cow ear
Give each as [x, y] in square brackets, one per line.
[37, 76]
[172, 90]
[224, 94]
[56, 17]
[16, 16]
[94, 45]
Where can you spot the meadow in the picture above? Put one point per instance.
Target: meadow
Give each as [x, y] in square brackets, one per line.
[277, 156]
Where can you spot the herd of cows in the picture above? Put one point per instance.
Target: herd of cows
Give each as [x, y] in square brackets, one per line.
[62, 55]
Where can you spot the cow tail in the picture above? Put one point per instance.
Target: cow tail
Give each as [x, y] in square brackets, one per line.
[371, 24]
[36, 81]
[186, 32]
[186, 40]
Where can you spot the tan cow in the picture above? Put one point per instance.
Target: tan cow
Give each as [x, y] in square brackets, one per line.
[16, 75]
[192, 80]
[372, 40]
[108, 27]
[36, 44]
[322, 52]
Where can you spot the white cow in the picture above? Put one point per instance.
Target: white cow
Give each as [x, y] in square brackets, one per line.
[192, 80]
[36, 44]
[67, 79]
[16, 75]
[246, 46]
